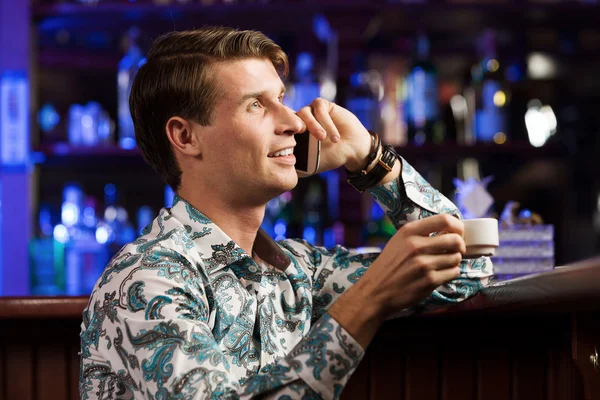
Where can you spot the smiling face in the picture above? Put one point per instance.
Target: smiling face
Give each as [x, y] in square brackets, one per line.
[247, 150]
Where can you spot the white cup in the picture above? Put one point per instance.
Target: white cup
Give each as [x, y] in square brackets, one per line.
[481, 237]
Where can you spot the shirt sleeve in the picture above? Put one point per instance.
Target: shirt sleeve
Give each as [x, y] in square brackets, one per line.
[411, 197]
[406, 199]
[159, 344]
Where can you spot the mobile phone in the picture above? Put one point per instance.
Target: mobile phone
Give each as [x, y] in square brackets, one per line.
[307, 153]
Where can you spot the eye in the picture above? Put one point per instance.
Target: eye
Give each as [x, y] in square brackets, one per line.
[255, 104]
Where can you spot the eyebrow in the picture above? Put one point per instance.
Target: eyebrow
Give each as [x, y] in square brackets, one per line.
[254, 95]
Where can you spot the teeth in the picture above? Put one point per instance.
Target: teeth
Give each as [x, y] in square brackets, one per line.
[284, 152]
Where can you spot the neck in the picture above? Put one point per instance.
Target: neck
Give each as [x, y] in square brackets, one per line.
[239, 222]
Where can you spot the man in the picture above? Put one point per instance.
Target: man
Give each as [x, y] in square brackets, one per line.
[204, 304]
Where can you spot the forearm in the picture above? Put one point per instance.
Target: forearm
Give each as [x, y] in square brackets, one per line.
[357, 312]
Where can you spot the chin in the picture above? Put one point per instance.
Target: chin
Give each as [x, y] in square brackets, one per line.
[284, 184]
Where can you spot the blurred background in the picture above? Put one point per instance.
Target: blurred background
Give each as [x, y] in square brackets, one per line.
[495, 100]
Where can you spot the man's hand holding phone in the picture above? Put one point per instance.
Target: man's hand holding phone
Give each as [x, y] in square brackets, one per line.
[344, 140]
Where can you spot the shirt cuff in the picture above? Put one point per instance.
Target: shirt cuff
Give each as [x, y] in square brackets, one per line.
[411, 197]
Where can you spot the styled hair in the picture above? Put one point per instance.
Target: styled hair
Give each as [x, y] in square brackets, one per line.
[178, 79]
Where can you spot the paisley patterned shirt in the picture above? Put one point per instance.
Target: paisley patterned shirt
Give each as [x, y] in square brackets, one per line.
[184, 313]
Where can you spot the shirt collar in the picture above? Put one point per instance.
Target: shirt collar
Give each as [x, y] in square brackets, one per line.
[216, 248]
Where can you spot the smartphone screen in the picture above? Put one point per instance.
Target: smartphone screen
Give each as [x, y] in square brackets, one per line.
[301, 150]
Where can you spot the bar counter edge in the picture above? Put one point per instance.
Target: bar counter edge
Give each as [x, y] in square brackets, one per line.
[569, 288]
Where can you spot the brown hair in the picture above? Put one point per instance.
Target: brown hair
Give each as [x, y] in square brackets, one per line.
[178, 80]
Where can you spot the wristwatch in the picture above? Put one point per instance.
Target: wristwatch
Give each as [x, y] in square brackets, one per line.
[364, 180]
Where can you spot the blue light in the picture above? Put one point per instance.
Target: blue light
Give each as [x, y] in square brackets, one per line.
[280, 228]
[329, 238]
[169, 196]
[48, 118]
[525, 214]
[110, 214]
[309, 234]
[110, 189]
[321, 28]
[377, 212]
[102, 234]
[127, 143]
[89, 217]
[513, 73]
[69, 214]
[357, 79]
[61, 234]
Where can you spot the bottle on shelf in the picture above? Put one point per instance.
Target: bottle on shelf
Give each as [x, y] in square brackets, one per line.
[128, 66]
[95, 255]
[312, 226]
[365, 95]
[46, 262]
[305, 87]
[491, 96]
[49, 120]
[84, 257]
[126, 232]
[422, 110]
[114, 230]
[89, 125]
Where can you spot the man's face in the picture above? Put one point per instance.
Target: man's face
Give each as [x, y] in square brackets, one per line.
[250, 124]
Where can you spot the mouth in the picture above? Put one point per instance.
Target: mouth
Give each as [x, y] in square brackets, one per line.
[288, 151]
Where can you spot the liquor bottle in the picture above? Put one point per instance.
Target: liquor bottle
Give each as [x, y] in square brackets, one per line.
[490, 118]
[46, 263]
[70, 216]
[422, 109]
[110, 230]
[95, 256]
[126, 232]
[365, 94]
[84, 257]
[305, 87]
[312, 229]
[128, 66]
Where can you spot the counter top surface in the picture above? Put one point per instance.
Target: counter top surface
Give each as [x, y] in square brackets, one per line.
[571, 288]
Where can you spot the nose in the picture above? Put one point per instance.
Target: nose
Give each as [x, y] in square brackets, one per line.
[288, 123]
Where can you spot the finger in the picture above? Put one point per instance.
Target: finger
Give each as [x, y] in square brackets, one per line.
[436, 262]
[445, 275]
[433, 270]
[304, 127]
[321, 111]
[442, 244]
[312, 125]
[434, 224]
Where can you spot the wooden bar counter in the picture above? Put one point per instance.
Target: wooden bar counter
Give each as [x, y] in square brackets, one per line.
[528, 339]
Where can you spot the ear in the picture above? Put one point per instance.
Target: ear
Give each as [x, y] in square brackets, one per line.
[182, 136]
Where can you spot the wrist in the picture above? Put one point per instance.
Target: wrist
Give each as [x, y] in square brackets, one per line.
[376, 169]
[360, 153]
